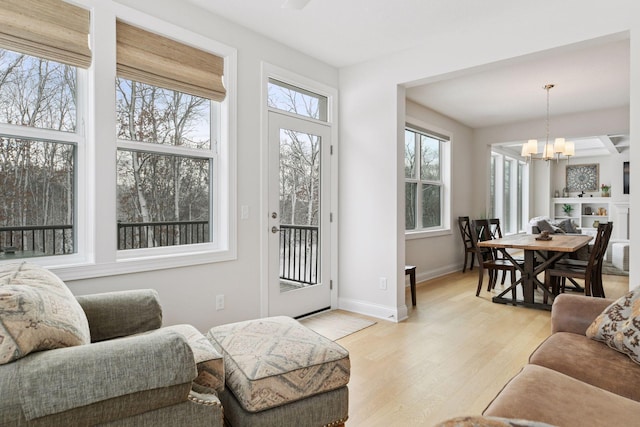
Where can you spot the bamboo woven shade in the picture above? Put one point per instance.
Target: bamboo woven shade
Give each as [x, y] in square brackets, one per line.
[50, 29]
[148, 58]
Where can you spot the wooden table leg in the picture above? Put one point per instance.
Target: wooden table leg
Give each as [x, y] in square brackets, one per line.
[527, 281]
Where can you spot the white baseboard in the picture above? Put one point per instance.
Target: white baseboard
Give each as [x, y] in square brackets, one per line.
[384, 312]
[434, 273]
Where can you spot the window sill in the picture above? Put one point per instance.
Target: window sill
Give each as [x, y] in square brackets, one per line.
[423, 234]
[74, 267]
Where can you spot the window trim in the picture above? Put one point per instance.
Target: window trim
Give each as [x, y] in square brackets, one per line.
[96, 166]
[418, 125]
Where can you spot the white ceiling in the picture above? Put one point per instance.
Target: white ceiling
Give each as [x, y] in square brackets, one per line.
[346, 32]
[590, 76]
[587, 78]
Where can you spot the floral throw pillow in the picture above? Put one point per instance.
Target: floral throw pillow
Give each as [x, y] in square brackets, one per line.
[37, 312]
[618, 325]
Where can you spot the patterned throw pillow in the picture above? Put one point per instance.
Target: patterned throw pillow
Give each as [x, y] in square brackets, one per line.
[37, 312]
[618, 325]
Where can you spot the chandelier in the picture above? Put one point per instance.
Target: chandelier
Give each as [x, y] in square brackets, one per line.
[558, 148]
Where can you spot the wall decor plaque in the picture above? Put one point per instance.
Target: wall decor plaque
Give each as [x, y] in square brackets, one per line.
[583, 177]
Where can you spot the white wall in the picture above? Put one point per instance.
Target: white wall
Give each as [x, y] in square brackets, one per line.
[449, 256]
[370, 122]
[188, 293]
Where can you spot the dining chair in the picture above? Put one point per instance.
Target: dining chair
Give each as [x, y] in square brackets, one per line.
[465, 231]
[590, 272]
[487, 259]
[597, 288]
[495, 232]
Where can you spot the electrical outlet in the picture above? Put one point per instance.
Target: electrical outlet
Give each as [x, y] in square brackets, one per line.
[383, 283]
[220, 302]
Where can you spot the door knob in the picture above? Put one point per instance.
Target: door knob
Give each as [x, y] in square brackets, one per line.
[274, 229]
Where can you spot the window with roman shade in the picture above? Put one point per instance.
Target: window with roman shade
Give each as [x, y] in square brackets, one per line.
[149, 58]
[168, 98]
[49, 29]
[44, 46]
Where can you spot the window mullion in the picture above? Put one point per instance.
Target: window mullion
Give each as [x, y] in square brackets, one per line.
[41, 134]
[417, 174]
[151, 147]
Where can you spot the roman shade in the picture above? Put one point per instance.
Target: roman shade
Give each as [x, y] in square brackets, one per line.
[149, 58]
[50, 29]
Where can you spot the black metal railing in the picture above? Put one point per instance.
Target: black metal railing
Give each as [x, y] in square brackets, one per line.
[136, 235]
[299, 253]
[37, 240]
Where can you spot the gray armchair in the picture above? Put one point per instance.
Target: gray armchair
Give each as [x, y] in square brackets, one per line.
[134, 373]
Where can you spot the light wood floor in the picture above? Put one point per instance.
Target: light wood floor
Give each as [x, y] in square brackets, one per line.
[450, 358]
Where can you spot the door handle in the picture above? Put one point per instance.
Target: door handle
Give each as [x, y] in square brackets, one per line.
[274, 229]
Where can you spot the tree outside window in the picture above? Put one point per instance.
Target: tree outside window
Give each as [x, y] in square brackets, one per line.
[164, 166]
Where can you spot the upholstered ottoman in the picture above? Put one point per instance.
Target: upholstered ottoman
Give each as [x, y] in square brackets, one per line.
[280, 373]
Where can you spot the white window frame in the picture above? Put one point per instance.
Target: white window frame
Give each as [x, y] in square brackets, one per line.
[96, 226]
[81, 222]
[445, 181]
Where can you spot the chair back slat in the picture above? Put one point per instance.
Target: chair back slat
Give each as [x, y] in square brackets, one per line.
[465, 230]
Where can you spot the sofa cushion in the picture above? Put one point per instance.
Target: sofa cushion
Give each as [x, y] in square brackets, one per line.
[566, 225]
[37, 312]
[544, 225]
[619, 325]
[590, 361]
[542, 394]
[274, 361]
[208, 360]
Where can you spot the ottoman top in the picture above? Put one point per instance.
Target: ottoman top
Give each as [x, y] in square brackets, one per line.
[280, 358]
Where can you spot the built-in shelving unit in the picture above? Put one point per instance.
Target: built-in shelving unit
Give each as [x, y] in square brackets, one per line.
[586, 210]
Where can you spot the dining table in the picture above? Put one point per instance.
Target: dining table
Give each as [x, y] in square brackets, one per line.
[539, 254]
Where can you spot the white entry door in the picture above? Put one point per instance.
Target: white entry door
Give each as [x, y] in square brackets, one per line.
[299, 226]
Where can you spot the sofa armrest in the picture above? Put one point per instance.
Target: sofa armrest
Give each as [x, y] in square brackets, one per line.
[119, 314]
[574, 313]
[209, 361]
[58, 380]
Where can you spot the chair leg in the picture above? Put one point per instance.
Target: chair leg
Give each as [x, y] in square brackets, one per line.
[464, 266]
[473, 259]
[492, 275]
[504, 274]
[513, 280]
[480, 279]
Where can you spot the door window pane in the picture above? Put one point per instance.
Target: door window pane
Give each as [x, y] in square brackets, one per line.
[299, 209]
[292, 99]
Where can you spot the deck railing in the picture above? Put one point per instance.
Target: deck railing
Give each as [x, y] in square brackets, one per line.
[299, 245]
[135, 235]
[37, 240]
[299, 253]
